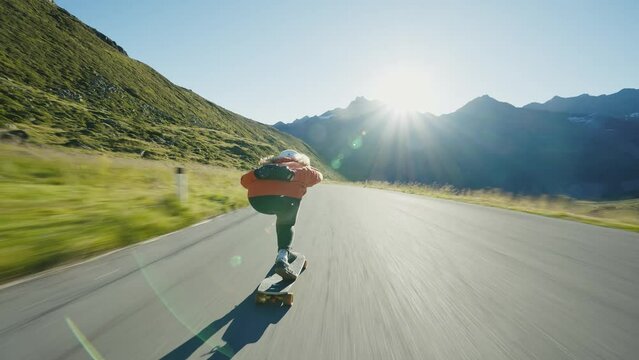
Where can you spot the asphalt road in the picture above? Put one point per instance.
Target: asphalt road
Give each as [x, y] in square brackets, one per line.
[390, 276]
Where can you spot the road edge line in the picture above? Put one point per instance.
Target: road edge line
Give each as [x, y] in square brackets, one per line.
[61, 268]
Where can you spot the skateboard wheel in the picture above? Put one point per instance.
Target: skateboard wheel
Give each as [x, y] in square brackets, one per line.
[288, 299]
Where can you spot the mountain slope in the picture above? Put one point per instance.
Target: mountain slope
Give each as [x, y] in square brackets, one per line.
[623, 104]
[485, 144]
[64, 83]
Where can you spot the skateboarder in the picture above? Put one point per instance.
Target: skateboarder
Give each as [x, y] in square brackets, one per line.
[277, 188]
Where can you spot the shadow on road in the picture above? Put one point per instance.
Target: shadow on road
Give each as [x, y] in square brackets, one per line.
[248, 322]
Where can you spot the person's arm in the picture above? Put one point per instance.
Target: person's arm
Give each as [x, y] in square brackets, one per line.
[247, 179]
[308, 176]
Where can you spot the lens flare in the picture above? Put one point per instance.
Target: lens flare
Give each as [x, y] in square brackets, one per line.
[235, 261]
[357, 143]
[212, 342]
[86, 344]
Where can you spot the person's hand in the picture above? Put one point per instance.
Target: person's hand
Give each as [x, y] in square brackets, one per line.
[274, 172]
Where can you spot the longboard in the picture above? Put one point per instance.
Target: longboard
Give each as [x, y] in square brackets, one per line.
[275, 289]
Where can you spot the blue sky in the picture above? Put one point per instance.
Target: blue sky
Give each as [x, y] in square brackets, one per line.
[281, 60]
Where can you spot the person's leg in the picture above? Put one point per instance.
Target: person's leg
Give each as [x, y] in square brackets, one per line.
[265, 204]
[286, 218]
[286, 210]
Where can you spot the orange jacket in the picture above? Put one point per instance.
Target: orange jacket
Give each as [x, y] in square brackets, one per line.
[305, 177]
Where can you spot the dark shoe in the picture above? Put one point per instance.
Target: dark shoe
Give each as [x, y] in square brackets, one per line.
[284, 270]
[292, 255]
[286, 256]
[282, 257]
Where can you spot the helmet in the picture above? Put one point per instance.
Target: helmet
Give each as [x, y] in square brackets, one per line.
[294, 155]
[291, 154]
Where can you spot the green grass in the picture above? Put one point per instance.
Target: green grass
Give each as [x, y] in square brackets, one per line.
[61, 206]
[622, 214]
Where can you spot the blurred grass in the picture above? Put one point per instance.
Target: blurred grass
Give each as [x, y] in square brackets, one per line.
[622, 214]
[58, 206]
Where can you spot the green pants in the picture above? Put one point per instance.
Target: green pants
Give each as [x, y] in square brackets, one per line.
[285, 208]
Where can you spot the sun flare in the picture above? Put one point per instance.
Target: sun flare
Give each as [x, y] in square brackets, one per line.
[405, 89]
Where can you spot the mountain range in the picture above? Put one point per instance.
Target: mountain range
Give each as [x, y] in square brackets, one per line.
[64, 83]
[623, 104]
[585, 147]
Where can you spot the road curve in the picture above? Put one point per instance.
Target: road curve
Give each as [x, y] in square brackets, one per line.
[391, 276]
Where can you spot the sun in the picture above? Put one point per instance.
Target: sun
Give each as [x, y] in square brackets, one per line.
[404, 88]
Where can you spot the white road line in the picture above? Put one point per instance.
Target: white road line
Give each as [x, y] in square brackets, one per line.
[107, 274]
[64, 267]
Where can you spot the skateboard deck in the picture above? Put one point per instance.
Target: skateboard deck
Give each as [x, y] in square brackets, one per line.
[275, 289]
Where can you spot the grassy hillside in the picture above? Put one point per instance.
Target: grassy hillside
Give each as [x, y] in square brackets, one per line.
[59, 206]
[64, 83]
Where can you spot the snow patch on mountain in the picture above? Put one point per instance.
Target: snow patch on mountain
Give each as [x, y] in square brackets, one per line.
[581, 119]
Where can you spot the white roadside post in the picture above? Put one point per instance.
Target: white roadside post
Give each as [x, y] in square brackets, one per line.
[181, 184]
